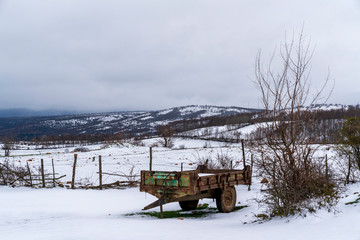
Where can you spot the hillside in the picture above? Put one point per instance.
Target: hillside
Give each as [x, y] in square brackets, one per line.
[108, 123]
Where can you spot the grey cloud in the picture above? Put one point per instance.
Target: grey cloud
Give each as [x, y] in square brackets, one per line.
[143, 54]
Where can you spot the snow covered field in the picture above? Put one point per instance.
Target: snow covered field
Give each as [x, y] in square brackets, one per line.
[62, 213]
[120, 158]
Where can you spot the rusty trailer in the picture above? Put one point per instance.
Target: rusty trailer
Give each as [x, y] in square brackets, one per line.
[188, 187]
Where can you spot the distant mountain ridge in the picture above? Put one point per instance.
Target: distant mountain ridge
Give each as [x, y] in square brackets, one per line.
[24, 112]
[326, 107]
[108, 123]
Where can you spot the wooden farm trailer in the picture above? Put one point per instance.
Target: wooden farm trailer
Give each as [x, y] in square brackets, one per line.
[187, 187]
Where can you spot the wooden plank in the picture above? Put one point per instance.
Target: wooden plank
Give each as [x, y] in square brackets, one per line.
[204, 188]
[31, 182]
[150, 165]
[53, 168]
[74, 171]
[100, 173]
[42, 173]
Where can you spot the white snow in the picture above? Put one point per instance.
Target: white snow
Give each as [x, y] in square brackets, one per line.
[70, 122]
[164, 112]
[327, 107]
[110, 118]
[228, 132]
[62, 214]
[147, 118]
[58, 214]
[205, 174]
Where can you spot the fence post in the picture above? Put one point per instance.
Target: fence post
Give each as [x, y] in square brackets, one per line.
[243, 152]
[42, 173]
[27, 164]
[53, 168]
[100, 173]
[150, 159]
[182, 166]
[74, 170]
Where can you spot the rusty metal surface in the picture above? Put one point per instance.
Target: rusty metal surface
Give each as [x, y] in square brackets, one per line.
[175, 186]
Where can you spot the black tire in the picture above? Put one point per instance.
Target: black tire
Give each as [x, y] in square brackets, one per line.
[226, 199]
[189, 205]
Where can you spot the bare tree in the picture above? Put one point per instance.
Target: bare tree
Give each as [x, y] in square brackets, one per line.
[350, 140]
[348, 149]
[166, 133]
[8, 146]
[286, 156]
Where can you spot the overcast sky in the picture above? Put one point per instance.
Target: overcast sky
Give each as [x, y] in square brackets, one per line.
[104, 55]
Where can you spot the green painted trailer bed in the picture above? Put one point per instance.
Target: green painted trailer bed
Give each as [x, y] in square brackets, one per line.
[187, 187]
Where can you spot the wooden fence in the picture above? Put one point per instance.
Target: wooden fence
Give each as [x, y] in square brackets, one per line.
[23, 176]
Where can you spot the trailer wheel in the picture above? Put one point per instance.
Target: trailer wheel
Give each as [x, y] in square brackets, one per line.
[188, 205]
[226, 199]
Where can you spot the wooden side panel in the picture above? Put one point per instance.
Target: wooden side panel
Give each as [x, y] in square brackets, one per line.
[170, 186]
[184, 180]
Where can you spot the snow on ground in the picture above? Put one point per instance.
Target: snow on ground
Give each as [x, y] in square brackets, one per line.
[62, 213]
[226, 132]
[120, 159]
[37, 214]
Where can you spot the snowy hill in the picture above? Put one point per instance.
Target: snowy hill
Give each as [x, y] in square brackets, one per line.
[135, 122]
[326, 107]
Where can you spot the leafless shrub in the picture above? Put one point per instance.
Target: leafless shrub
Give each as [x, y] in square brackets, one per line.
[225, 160]
[87, 181]
[348, 148]
[166, 133]
[81, 149]
[8, 146]
[132, 177]
[222, 160]
[208, 161]
[10, 174]
[286, 156]
[345, 166]
[138, 143]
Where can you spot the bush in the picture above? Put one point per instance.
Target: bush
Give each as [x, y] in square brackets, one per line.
[222, 160]
[166, 133]
[286, 156]
[348, 149]
[81, 149]
[10, 173]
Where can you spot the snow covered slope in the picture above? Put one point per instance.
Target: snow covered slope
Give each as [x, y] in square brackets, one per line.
[135, 122]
